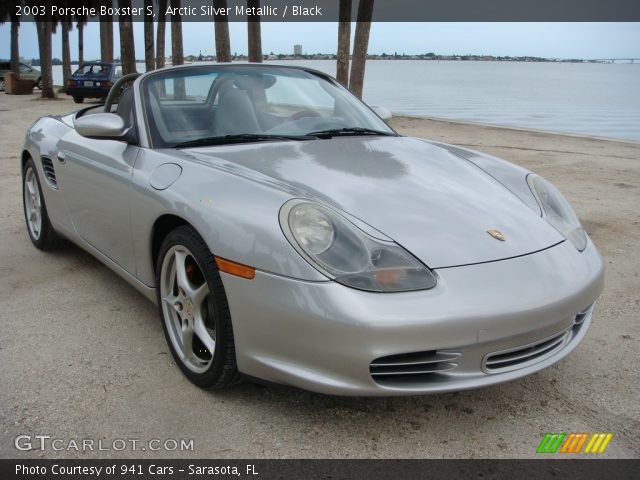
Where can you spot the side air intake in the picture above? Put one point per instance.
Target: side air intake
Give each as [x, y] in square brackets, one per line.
[49, 172]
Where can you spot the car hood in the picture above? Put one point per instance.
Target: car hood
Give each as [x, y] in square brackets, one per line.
[434, 203]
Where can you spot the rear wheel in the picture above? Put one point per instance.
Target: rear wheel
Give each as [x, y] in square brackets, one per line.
[42, 234]
[78, 99]
[1, 84]
[38, 83]
[194, 310]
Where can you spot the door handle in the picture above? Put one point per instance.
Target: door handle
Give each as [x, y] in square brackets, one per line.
[61, 157]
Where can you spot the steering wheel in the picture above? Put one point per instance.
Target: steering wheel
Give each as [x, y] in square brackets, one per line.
[117, 87]
[303, 114]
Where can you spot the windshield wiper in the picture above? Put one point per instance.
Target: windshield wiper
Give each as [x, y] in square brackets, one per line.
[353, 131]
[239, 138]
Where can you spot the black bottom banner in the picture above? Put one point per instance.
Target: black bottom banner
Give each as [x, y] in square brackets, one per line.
[320, 469]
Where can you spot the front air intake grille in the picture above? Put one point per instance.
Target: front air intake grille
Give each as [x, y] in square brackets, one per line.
[415, 367]
[49, 172]
[525, 355]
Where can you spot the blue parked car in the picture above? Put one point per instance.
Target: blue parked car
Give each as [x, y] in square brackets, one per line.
[93, 80]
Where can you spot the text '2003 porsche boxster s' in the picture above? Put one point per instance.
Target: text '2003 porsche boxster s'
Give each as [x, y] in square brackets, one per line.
[288, 234]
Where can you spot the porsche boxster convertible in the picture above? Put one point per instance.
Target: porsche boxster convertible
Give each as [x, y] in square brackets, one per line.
[289, 235]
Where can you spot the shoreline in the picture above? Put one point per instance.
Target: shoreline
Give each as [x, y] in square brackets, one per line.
[615, 61]
[550, 97]
[515, 128]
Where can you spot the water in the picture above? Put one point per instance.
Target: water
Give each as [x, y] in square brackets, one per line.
[589, 99]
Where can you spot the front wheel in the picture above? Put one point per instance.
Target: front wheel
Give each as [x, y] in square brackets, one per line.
[194, 310]
[39, 83]
[42, 234]
[78, 99]
[1, 84]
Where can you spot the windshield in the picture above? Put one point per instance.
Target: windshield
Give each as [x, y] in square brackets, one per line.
[101, 70]
[204, 105]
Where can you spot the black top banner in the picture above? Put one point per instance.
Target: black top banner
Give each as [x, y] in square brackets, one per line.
[327, 10]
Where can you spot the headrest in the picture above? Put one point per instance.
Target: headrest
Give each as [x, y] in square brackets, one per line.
[254, 82]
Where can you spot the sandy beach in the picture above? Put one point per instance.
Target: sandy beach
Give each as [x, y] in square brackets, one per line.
[82, 354]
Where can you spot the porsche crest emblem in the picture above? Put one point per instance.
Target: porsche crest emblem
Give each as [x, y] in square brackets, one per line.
[497, 234]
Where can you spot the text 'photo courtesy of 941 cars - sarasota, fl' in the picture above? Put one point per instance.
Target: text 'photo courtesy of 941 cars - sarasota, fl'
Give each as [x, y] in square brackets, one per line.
[288, 234]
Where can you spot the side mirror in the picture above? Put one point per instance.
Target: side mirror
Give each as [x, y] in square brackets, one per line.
[107, 126]
[383, 113]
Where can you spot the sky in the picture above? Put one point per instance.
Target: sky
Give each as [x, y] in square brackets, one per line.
[549, 40]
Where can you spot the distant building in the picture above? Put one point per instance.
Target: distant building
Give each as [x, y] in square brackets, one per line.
[297, 50]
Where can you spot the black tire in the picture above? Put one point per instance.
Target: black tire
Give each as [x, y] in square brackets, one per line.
[78, 99]
[38, 84]
[223, 370]
[1, 84]
[48, 239]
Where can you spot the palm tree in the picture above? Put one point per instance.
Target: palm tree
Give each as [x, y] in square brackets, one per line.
[8, 13]
[82, 22]
[360, 46]
[223, 45]
[344, 41]
[44, 27]
[253, 30]
[66, 50]
[127, 43]
[15, 49]
[149, 54]
[177, 52]
[106, 38]
[160, 33]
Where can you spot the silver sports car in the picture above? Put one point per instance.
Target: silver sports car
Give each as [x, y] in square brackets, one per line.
[288, 234]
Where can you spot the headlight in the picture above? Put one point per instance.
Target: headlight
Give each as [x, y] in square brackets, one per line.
[346, 254]
[557, 211]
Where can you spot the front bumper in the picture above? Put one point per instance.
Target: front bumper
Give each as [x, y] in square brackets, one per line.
[322, 336]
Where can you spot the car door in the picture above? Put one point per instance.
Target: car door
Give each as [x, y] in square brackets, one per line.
[26, 72]
[95, 178]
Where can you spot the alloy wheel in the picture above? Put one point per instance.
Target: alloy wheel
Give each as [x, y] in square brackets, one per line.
[188, 309]
[32, 203]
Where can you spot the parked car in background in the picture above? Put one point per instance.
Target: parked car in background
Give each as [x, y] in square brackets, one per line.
[26, 73]
[92, 80]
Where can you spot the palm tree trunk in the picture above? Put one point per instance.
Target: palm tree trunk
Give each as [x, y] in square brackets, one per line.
[66, 51]
[344, 43]
[80, 43]
[160, 33]
[127, 44]
[223, 45]
[253, 28]
[149, 54]
[360, 46]
[177, 53]
[44, 44]
[15, 50]
[106, 38]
